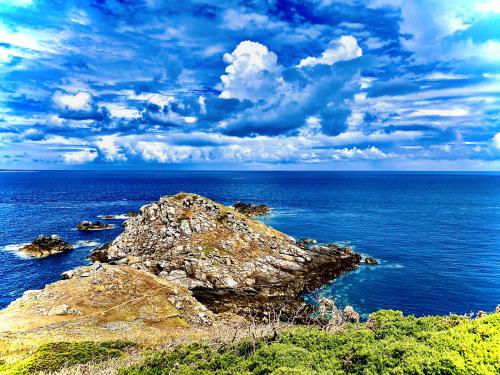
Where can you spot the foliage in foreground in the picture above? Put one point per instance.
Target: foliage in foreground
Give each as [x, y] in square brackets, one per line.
[387, 344]
[53, 356]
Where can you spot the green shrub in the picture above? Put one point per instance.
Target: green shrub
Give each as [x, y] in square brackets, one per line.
[53, 356]
[388, 343]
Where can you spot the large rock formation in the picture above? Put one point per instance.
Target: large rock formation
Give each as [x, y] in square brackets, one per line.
[44, 246]
[229, 261]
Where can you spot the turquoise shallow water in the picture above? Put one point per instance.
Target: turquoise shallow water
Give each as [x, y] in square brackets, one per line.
[437, 236]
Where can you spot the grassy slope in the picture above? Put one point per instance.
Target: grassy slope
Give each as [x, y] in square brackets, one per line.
[388, 344]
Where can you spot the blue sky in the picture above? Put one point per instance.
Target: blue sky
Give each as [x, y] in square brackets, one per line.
[313, 84]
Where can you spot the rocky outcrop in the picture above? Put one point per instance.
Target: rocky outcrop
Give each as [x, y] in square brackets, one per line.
[89, 225]
[252, 209]
[44, 246]
[103, 300]
[228, 260]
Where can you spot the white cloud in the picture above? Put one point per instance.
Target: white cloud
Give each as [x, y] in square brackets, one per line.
[453, 112]
[164, 153]
[80, 157]
[122, 111]
[79, 102]
[343, 49]
[234, 19]
[203, 106]
[110, 149]
[369, 153]
[17, 3]
[496, 140]
[492, 6]
[438, 76]
[253, 72]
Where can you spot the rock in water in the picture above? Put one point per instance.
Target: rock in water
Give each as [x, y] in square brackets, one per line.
[228, 260]
[251, 209]
[371, 261]
[46, 245]
[88, 225]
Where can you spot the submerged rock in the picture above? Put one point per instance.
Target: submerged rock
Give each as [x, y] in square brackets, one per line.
[228, 260]
[89, 225]
[370, 261]
[46, 245]
[251, 209]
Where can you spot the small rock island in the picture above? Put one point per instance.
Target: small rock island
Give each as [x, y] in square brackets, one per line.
[252, 209]
[44, 246]
[89, 226]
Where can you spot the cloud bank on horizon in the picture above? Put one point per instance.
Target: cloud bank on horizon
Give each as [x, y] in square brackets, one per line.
[267, 84]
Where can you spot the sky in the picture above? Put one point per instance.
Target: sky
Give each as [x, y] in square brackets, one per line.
[255, 84]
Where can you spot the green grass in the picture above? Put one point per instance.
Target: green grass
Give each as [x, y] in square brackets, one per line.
[53, 356]
[387, 344]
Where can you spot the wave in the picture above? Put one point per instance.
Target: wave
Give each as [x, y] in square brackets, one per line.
[86, 243]
[14, 249]
[114, 217]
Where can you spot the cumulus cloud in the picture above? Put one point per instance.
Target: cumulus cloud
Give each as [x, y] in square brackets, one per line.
[369, 153]
[253, 73]
[79, 106]
[496, 141]
[80, 157]
[110, 149]
[343, 49]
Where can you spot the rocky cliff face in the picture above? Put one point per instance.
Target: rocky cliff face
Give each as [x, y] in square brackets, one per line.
[228, 260]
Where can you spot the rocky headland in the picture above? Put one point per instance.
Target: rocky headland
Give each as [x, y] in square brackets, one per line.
[228, 260]
[184, 268]
[44, 246]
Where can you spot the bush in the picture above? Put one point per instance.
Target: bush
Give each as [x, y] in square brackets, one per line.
[53, 356]
[388, 343]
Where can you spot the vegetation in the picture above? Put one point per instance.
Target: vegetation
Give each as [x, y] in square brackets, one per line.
[53, 356]
[387, 344]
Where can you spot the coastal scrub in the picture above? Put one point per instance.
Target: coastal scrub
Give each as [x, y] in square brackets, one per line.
[388, 343]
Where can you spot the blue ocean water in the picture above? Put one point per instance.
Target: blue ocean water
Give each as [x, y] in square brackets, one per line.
[437, 236]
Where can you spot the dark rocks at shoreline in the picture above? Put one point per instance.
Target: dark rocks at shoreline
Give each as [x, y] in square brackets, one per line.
[44, 246]
[307, 241]
[230, 262]
[370, 261]
[252, 209]
[89, 225]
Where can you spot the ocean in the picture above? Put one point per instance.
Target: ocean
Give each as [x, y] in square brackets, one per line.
[436, 235]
